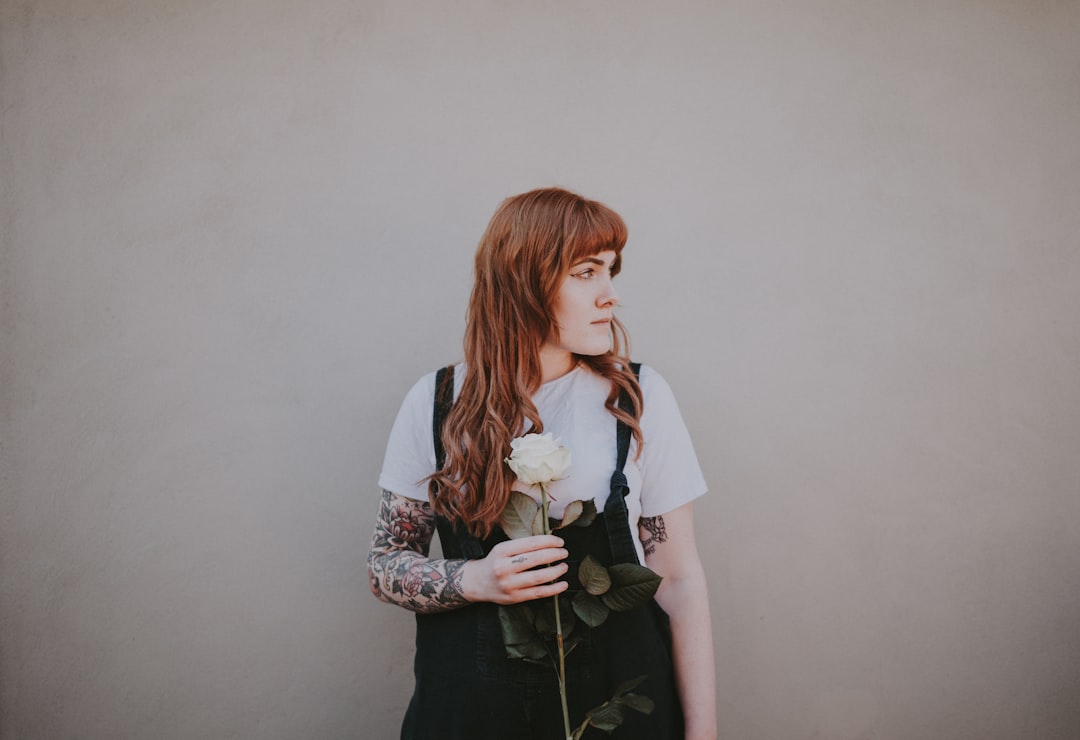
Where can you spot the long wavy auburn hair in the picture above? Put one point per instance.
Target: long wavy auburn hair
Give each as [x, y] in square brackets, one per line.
[524, 255]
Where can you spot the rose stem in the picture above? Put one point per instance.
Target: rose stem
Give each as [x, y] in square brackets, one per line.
[558, 626]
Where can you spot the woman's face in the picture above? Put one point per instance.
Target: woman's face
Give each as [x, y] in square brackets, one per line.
[583, 307]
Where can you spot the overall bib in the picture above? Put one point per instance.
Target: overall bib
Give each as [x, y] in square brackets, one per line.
[466, 687]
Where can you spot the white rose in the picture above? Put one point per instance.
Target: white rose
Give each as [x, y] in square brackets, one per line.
[538, 458]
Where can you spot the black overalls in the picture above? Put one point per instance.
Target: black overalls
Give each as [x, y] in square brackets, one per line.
[466, 687]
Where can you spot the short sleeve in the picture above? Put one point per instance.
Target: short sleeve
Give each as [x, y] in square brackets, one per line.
[410, 453]
[670, 472]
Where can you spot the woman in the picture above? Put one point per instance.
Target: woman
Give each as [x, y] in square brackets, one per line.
[543, 352]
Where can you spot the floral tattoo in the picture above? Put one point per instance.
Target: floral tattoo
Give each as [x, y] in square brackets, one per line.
[657, 532]
[399, 568]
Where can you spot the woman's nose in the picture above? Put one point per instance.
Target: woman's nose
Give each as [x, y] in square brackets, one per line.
[609, 297]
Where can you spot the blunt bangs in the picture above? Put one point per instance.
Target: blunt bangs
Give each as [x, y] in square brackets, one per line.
[592, 228]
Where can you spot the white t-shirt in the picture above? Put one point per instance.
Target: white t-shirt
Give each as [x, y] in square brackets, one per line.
[572, 407]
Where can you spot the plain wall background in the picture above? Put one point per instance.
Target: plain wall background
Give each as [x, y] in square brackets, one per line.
[235, 233]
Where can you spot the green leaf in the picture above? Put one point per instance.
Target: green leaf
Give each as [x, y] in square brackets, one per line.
[606, 717]
[519, 635]
[566, 611]
[611, 714]
[588, 513]
[545, 617]
[590, 610]
[532, 651]
[638, 703]
[631, 586]
[518, 515]
[627, 686]
[516, 622]
[538, 522]
[571, 514]
[593, 576]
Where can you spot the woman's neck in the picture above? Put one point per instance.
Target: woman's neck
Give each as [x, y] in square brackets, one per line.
[555, 363]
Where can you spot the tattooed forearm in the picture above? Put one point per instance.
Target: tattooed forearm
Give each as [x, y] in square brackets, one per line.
[398, 564]
[653, 532]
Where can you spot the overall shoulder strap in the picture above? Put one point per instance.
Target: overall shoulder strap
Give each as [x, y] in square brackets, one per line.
[444, 399]
[455, 541]
[623, 431]
[616, 515]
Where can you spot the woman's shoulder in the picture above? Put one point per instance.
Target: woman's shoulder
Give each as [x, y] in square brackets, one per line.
[651, 381]
[656, 394]
[422, 391]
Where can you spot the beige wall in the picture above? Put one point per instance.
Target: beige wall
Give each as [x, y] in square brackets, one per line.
[234, 233]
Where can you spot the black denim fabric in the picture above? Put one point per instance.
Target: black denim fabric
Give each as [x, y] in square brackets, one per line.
[467, 688]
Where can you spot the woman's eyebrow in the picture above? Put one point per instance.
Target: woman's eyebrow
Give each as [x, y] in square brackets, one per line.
[591, 260]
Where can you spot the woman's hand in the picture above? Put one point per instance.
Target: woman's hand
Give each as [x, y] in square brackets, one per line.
[402, 573]
[505, 576]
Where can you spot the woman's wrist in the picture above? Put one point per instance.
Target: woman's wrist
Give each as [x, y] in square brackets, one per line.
[466, 581]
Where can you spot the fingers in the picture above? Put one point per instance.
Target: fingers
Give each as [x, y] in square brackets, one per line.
[532, 559]
[514, 556]
[527, 544]
[521, 570]
[545, 591]
[524, 580]
[534, 584]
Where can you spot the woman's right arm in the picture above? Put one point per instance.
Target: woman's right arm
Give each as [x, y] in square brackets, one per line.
[402, 573]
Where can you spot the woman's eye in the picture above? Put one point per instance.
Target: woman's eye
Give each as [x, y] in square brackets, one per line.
[590, 272]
